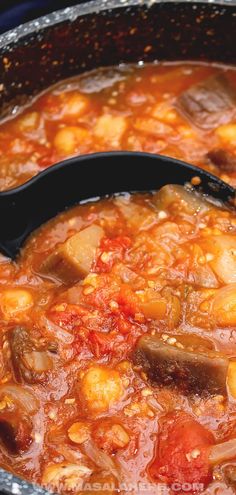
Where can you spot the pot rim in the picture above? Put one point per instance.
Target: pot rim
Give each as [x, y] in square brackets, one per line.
[91, 7]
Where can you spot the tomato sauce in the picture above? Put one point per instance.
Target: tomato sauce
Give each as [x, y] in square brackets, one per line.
[118, 349]
[157, 108]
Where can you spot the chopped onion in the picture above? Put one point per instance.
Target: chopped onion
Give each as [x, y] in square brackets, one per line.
[101, 459]
[152, 402]
[38, 361]
[20, 395]
[204, 277]
[223, 452]
[58, 332]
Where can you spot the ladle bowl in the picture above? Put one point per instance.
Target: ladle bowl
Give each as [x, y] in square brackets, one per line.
[28, 206]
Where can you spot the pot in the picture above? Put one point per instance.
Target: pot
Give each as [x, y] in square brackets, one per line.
[102, 33]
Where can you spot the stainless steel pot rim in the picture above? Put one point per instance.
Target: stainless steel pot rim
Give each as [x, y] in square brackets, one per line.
[93, 7]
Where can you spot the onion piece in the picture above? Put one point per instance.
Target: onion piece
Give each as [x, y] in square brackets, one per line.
[101, 459]
[20, 395]
[58, 332]
[223, 452]
[38, 361]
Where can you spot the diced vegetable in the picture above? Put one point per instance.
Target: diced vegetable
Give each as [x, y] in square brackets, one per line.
[101, 484]
[101, 388]
[110, 437]
[182, 451]
[79, 432]
[222, 452]
[223, 307]
[232, 378]
[190, 370]
[223, 251]
[104, 461]
[15, 433]
[28, 122]
[70, 139]
[227, 134]
[152, 126]
[110, 129]
[224, 159]
[15, 301]
[137, 216]
[230, 474]
[30, 360]
[154, 309]
[73, 260]
[209, 103]
[70, 476]
[189, 201]
[21, 396]
[74, 104]
[17, 408]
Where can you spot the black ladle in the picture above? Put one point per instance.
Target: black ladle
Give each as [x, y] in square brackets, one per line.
[25, 208]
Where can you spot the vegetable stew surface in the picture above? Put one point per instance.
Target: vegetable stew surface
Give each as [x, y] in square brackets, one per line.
[118, 348]
[187, 111]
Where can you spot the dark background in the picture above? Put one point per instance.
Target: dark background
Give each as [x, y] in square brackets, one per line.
[15, 12]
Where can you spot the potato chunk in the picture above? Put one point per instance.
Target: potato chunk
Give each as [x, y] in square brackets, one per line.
[101, 388]
[223, 251]
[74, 258]
[70, 139]
[15, 301]
[223, 307]
[188, 201]
[110, 129]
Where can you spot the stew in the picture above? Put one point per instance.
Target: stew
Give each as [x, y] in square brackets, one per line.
[118, 349]
[187, 111]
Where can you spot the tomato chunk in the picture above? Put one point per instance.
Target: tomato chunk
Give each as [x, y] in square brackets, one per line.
[182, 452]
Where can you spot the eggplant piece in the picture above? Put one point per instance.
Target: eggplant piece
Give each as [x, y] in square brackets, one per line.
[18, 407]
[73, 260]
[191, 371]
[230, 475]
[15, 433]
[225, 160]
[30, 361]
[209, 103]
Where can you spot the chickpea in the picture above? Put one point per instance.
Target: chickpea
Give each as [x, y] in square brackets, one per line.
[110, 129]
[79, 432]
[164, 113]
[65, 474]
[111, 437]
[232, 378]
[227, 133]
[224, 306]
[70, 139]
[28, 122]
[14, 301]
[75, 105]
[101, 388]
